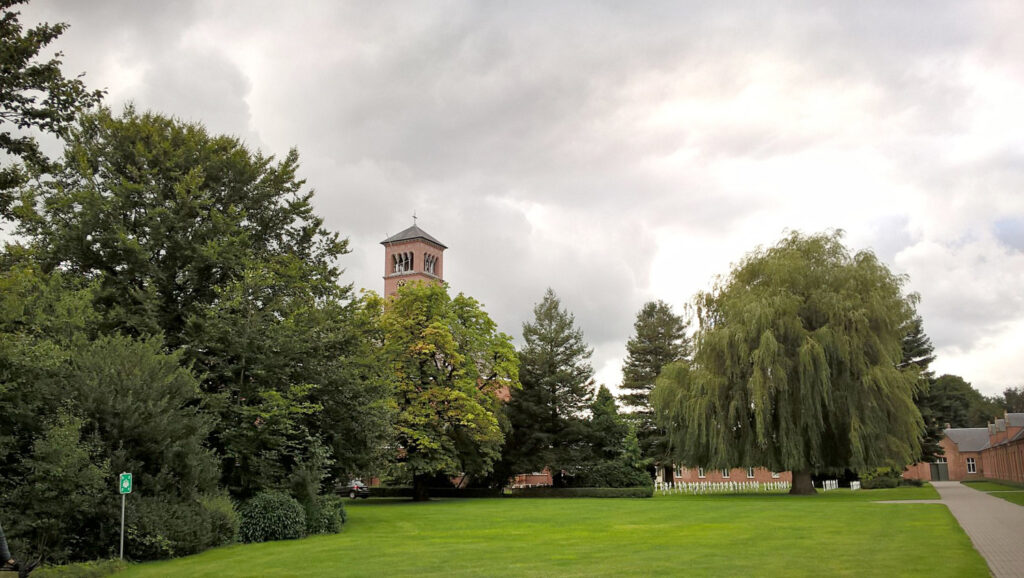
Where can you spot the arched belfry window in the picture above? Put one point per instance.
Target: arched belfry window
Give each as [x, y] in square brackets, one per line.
[402, 262]
[429, 263]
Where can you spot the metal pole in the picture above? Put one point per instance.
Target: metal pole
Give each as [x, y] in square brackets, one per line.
[122, 526]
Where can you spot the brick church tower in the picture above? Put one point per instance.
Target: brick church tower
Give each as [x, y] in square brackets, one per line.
[412, 255]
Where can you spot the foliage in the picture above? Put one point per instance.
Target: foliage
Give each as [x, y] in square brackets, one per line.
[161, 527]
[549, 427]
[194, 237]
[919, 353]
[34, 94]
[448, 364]
[66, 487]
[614, 450]
[1013, 399]
[91, 569]
[880, 478]
[660, 338]
[610, 474]
[326, 516]
[795, 366]
[643, 490]
[272, 516]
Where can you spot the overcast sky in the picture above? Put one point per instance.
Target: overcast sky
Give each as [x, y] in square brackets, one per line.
[619, 152]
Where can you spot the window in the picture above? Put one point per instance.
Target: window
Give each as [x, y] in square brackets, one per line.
[700, 472]
[679, 471]
[429, 262]
[401, 262]
[940, 460]
[725, 473]
[775, 475]
[750, 472]
[972, 468]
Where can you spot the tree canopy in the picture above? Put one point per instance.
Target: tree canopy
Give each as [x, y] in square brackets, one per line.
[548, 416]
[34, 95]
[796, 366]
[659, 339]
[448, 366]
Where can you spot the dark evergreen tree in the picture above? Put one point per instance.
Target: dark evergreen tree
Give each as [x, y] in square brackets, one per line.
[1013, 399]
[549, 425]
[919, 353]
[660, 338]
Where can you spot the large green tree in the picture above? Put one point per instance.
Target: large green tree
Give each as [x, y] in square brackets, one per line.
[548, 416]
[660, 339]
[34, 96]
[194, 237]
[795, 366]
[919, 353]
[449, 366]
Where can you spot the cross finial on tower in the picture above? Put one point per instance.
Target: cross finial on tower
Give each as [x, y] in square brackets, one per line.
[414, 217]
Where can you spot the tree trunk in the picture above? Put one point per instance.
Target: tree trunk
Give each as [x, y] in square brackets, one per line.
[802, 484]
[420, 493]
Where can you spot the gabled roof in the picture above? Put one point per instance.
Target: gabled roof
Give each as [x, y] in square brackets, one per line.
[969, 439]
[411, 233]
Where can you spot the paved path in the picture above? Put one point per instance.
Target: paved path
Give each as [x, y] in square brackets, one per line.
[995, 526]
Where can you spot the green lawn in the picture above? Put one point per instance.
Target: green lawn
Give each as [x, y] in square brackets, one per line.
[1014, 494]
[836, 533]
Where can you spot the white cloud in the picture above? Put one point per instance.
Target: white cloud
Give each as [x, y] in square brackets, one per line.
[619, 153]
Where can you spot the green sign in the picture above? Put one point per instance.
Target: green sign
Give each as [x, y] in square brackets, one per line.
[126, 484]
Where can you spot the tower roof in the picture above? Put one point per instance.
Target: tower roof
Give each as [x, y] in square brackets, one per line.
[411, 233]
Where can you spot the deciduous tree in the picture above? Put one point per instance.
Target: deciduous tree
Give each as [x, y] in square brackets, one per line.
[34, 95]
[448, 365]
[795, 366]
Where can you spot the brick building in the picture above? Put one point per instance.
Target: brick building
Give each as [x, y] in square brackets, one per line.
[692, 475]
[995, 452]
[412, 255]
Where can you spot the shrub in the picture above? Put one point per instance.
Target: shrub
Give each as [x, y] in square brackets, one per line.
[224, 519]
[912, 482]
[158, 528]
[272, 516]
[93, 569]
[327, 516]
[611, 474]
[637, 492]
[880, 478]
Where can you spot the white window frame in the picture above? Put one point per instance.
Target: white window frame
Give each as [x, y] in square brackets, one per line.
[940, 460]
[679, 471]
[750, 473]
[701, 473]
[972, 466]
[776, 475]
[725, 473]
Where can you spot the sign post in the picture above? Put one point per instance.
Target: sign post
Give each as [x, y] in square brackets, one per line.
[125, 487]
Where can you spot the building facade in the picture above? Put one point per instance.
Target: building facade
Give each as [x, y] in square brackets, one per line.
[995, 452]
[412, 255]
[696, 475]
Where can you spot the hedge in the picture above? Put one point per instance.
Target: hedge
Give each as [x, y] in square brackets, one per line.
[635, 492]
[406, 492]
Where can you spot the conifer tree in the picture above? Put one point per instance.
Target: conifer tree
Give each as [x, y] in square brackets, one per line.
[795, 366]
[548, 415]
[660, 338]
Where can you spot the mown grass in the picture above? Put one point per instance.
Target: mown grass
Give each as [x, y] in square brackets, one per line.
[1010, 493]
[834, 533]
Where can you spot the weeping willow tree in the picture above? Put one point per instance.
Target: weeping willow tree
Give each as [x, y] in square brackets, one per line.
[796, 366]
